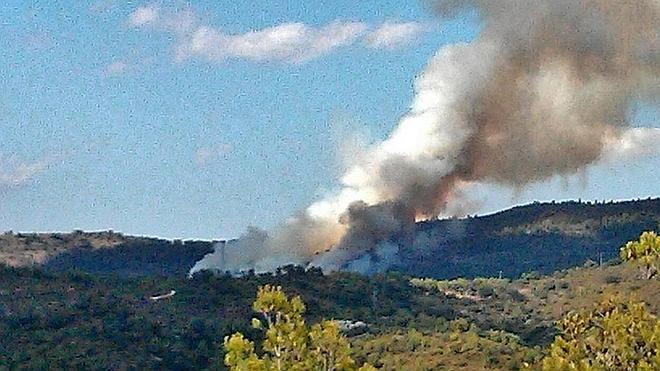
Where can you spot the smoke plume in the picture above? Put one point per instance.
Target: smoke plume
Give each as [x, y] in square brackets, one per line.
[542, 91]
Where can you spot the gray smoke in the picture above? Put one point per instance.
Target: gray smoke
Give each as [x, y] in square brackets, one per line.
[543, 91]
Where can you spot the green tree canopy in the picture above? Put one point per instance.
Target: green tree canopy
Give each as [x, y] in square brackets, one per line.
[615, 335]
[289, 344]
[645, 251]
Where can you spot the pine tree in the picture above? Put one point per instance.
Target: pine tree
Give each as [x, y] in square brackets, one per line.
[289, 344]
[615, 335]
[645, 251]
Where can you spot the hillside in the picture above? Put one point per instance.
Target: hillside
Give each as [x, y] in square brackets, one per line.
[73, 320]
[104, 252]
[535, 237]
[541, 237]
[25, 249]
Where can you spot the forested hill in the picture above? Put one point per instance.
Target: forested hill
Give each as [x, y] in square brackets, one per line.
[78, 321]
[540, 237]
[105, 252]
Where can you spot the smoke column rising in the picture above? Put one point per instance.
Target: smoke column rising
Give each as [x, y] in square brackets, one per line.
[543, 90]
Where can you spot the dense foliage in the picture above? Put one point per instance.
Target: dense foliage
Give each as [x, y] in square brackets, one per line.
[72, 320]
[645, 252]
[136, 257]
[458, 345]
[76, 320]
[615, 335]
[289, 344]
[542, 237]
[536, 237]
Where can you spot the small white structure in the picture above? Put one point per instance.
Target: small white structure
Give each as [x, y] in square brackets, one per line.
[164, 296]
[352, 327]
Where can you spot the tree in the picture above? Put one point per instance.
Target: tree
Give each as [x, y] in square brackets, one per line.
[645, 251]
[615, 335]
[288, 343]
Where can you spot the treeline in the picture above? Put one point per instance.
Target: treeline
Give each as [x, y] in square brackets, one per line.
[536, 237]
[139, 257]
[75, 320]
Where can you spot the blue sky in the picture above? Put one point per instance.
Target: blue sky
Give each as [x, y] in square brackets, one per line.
[103, 125]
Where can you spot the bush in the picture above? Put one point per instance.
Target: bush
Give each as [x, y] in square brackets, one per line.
[531, 276]
[615, 335]
[645, 252]
[612, 279]
[288, 343]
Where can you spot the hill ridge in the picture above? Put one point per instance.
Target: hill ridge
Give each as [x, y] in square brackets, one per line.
[505, 242]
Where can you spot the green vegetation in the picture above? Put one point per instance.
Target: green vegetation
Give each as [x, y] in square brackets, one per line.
[458, 345]
[289, 344]
[536, 237]
[645, 252]
[73, 320]
[105, 252]
[541, 237]
[615, 335]
[78, 320]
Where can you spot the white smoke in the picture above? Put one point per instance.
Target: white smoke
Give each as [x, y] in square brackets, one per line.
[543, 91]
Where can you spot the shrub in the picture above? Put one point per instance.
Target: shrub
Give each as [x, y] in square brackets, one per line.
[615, 335]
[645, 252]
[612, 279]
[289, 344]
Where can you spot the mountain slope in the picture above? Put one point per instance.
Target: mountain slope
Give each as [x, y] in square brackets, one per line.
[105, 252]
[80, 321]
[536, 237]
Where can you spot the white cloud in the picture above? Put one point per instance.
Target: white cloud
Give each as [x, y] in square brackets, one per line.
[288, 42]
[291, 42]
[208, 154]
[392, 35]
[15, 173]
[144, 15]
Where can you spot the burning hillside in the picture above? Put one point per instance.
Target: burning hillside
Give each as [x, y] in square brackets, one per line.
[544, 90]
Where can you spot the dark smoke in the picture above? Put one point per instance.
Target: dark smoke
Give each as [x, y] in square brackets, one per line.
[543, 91]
